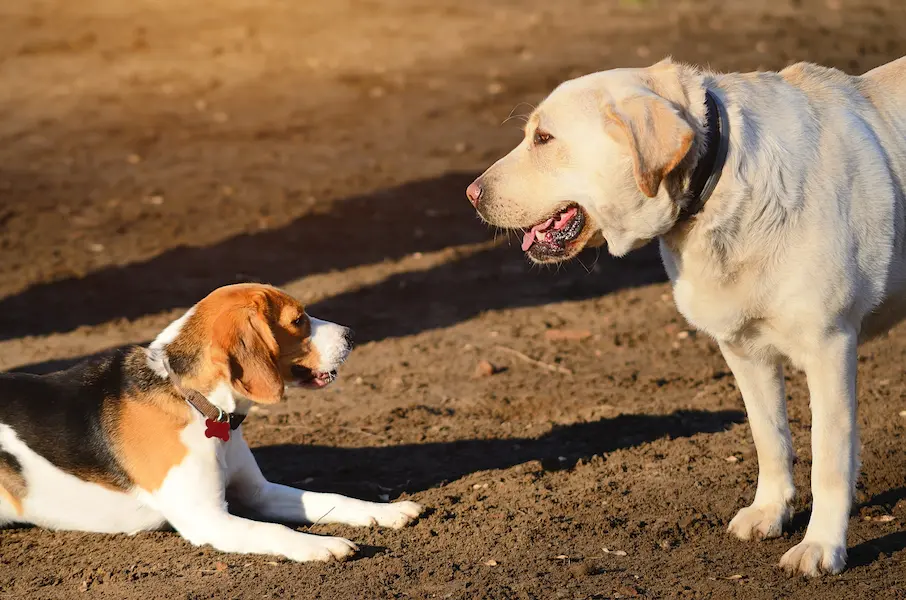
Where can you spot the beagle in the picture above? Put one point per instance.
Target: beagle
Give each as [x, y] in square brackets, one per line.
[148, 437]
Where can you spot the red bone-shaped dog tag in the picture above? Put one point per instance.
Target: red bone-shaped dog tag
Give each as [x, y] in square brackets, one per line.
[217, 429]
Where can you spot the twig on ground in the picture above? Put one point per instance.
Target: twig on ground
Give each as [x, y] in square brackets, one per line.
[532, 361]
[323, 516]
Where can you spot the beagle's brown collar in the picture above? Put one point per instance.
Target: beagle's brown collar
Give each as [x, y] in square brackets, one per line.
[216, 420]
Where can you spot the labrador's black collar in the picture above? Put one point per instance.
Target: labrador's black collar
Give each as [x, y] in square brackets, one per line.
[709, 168]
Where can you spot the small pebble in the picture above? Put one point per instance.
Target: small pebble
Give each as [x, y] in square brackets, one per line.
[582, 569]
[484, 369]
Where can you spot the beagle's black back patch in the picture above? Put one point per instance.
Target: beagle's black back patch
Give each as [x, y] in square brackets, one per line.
[62, 416]
[9, 462]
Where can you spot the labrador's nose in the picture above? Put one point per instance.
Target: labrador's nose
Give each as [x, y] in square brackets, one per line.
[474, 192]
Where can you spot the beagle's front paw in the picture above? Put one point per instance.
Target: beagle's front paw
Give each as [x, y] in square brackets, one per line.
[321, 549]
[394, 515]
[399, 514]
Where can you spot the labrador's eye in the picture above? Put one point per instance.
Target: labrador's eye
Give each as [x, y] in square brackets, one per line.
[541, 137]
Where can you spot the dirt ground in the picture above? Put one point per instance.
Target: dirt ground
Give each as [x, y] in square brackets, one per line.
[152, 150]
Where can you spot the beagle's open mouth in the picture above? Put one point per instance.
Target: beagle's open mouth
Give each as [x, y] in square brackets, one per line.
[556, 238]
[312, 379]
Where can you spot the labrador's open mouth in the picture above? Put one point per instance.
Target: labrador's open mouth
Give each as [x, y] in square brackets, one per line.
[555, 239]
[312, 379]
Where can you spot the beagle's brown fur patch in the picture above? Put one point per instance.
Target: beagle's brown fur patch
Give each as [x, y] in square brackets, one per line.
[147, 437]
[244, 341]
[12, 485]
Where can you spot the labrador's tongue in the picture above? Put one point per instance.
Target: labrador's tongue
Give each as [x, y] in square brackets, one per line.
[565, 218]
[529, 238]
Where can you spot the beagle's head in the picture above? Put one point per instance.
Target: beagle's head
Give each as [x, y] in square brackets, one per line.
[254, 338]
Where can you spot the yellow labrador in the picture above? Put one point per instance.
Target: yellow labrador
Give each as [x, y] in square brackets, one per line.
[778, 203]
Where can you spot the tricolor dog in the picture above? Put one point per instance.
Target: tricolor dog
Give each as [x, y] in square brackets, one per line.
[779, 203]
[151, 436]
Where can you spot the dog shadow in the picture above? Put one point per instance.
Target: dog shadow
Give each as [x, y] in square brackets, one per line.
[420, 216]
[413, 302]
[871, 550]
[386, 472]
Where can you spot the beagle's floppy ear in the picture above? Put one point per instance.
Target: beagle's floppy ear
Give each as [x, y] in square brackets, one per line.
[658, 137]
[244, 342]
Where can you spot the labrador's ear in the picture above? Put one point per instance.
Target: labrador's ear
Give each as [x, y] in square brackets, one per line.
[657, 136]
[243, 340]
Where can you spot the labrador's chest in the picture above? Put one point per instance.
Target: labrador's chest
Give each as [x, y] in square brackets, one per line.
[730, 308]
[710, 309]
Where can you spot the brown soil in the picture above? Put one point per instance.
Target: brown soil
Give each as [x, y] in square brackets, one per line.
[153, 150]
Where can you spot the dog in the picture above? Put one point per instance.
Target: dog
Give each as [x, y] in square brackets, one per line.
[777, 200]
[150, 437]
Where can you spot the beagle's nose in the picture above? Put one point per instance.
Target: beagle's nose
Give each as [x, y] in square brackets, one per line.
[474, 192]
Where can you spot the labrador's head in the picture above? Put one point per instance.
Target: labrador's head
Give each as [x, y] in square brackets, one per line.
[603, 160]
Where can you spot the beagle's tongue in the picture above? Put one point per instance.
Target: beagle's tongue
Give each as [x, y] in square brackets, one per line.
[529, 238]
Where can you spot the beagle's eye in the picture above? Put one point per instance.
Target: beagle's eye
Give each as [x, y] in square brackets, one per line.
[299, 321]
[541, 137]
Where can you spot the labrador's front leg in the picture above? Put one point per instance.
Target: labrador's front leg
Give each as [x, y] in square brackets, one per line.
[831, 373]
[761, 382]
